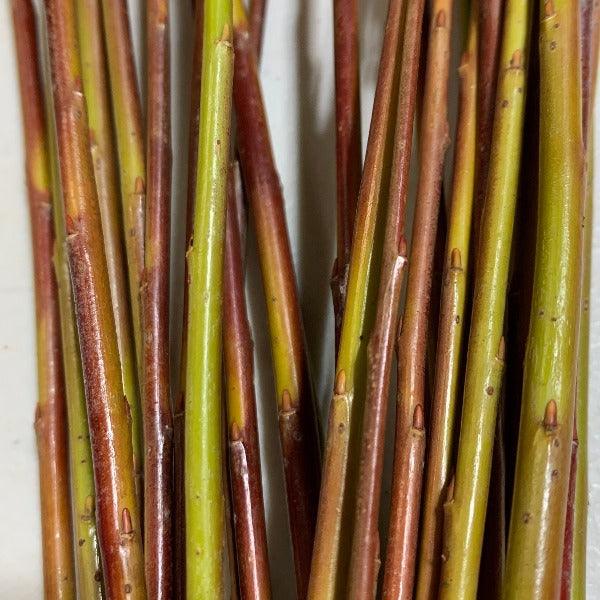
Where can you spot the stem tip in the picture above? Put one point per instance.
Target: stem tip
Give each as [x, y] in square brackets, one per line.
[340, 383]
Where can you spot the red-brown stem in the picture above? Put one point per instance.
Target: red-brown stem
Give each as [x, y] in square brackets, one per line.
[348, 145]
[244, 451]
[179, 399]
[50, 415]
[567, 564]
[364, 559]
[412, 333]
[256, 20]
[490, 32]
[297, 419]
[118, 518]
[158, 426]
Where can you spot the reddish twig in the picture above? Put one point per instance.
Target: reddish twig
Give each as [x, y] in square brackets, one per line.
[365, 544]
[297, 419]
[158, 427]
[50, 414]
[348, 146]
[244, 452]
[118, 517]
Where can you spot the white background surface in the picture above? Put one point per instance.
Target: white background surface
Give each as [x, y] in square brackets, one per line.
[297, 76]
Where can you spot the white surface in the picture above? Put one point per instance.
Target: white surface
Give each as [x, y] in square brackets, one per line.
[297, 76]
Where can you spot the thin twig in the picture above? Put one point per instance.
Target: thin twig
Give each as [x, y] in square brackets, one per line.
[50, 423]
[118, 517]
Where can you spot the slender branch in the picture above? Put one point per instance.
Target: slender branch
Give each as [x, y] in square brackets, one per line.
[127, 114]
[348, 145]
[204, 486]
[331, 556]
[244, 451]
[365, 543]
[256, 19]
[451, 333]
[574, 555]
[179, 544]
[490, 19]
[83, 495]
[412, 333]
[547, 413]
[465, 510]
[297, 419]
[158, 426]
[118, 518]
[95, 87]
[50, 426]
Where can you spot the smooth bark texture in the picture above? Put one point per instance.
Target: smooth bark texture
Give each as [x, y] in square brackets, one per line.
[331, 555]
[158, 425]
[298, 428]
[535, 547]
[204, 485]
[348, 145]
[96, 90]
[118, 518]
[451, 329]
[490, 18]
[256, 21]
[242, 426]
[179, 399]
[364, 561]
[129, 137]
[50, 414]
[409, 455]
[465, 509]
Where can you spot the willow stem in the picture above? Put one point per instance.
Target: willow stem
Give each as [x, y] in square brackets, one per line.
[333, 538]
[412, 333]
[83, 496]
[118, 519]
[179, 527]
[244, 451]
[50, 424]
[348, 145]
[158, 426]
[298, 428]
[465, 509]
[451, 332]
[256, 19]
[489, 23]
[535, 547]
[129, 138]
[204, 485]
[364, 559]
[96, 90]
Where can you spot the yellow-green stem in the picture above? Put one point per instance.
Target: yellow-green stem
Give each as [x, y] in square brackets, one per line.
[536, 535]
[466, 508]
[204, 485]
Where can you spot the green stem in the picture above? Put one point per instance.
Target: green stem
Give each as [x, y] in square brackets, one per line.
[466, 509]
[536, 535]
[204, 485]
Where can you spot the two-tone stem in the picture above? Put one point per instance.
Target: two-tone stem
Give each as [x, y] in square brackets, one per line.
[298, 428]
[50, 422]
[118, 516]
